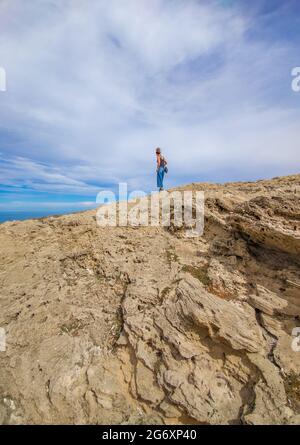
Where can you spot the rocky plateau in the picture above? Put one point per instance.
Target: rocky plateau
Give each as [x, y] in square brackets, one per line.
[143, 325]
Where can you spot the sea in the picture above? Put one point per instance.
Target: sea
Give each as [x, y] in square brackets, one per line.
[22, 215]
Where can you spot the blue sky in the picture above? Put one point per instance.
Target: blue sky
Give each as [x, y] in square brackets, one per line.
[94, 86]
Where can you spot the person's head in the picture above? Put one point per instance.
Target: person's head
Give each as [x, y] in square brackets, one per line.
[158, 151]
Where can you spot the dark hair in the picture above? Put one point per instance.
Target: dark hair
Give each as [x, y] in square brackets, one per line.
[158, 150]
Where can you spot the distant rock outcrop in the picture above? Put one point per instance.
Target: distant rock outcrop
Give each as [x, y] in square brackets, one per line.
[143, 325]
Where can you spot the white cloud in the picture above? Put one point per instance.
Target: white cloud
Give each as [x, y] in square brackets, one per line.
[94, 86]
[20, 172]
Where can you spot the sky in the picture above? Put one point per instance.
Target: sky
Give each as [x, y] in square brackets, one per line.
[93, 87]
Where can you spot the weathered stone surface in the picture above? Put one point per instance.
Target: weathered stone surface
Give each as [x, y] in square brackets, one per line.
[270, 404]
[271, 304]
[270, 221]
[267, 301]
[144, 325]
[227, 321]
[285, 356]
[272, 325]
[147, 387]
[295, 420]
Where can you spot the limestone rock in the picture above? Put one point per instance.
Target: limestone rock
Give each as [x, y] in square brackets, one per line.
[271, 304]
[147, 388]
[267, 301]
[271, 324]
[121, 325]
[225, 320]
[270, 406]
[285, 356]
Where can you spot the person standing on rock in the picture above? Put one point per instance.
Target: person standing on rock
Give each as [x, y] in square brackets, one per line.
[161, 169]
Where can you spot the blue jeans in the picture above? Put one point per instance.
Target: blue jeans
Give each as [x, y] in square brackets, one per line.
[160, 177]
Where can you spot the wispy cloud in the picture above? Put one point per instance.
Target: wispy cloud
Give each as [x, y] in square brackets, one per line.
[19, 172]
[94, 86]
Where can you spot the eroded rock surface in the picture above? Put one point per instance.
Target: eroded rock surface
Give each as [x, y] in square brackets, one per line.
[144, 325]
